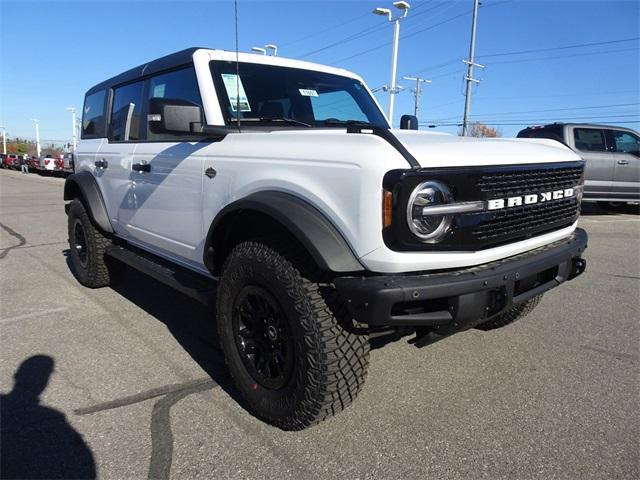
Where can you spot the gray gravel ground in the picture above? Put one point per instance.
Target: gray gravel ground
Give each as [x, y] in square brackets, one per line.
[138, 388]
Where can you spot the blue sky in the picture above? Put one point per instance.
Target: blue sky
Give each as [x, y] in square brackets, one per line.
[52, 52]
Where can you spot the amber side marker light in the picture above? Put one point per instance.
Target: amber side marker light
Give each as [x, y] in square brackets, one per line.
[387, 208]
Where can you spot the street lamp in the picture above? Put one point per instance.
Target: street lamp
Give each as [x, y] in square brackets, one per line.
[73, 126]
[404, 8]
[37, 123]
[273, 47]
[266, 48]
[4, 140]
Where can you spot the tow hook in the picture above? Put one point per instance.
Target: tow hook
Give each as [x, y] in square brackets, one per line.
[578, 266]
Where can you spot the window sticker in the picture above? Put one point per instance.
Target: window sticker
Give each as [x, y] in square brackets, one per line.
[232, 84]
[308, 92]
[158, 91]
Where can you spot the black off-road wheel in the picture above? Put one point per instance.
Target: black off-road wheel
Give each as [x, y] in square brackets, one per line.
[294, 359]
[87, 246]
[514, 313]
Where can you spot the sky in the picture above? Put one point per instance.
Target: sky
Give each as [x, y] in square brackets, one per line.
[545, 61]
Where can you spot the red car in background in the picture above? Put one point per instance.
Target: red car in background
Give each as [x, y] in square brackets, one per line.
[11, 161]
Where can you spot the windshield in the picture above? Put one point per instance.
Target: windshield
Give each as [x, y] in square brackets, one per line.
[272, 95]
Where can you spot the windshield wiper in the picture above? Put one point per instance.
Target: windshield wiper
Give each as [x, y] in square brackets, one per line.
[291, 121]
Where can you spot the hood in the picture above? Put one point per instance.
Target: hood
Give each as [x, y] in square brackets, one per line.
[436, 150]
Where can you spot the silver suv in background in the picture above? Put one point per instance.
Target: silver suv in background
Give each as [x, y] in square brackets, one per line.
[612, 155]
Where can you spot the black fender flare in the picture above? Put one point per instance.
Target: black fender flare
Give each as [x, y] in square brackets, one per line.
[85, 184]
[306, 223]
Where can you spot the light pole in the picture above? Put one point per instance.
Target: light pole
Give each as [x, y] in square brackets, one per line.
[417, 91]
[4, 140]
[259, 50]
[404, 7]
[37, 123]
[73, 127]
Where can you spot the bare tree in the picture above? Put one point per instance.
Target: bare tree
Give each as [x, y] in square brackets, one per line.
[481, 130]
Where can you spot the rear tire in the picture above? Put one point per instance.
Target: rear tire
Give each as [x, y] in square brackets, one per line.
[293, 359]
[87, 246]
[514, 313]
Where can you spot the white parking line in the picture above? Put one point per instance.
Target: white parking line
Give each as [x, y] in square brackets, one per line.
[27, 316]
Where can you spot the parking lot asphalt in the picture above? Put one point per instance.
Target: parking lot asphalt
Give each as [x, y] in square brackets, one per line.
[133, 385]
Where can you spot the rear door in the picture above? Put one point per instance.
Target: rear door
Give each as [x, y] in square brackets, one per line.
[165, 214]
[625, 148]
[591, 145]
[114, 159]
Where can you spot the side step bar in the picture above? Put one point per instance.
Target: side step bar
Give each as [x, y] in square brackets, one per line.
[179, 278]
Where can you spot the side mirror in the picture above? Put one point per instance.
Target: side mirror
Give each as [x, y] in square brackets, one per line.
[168, 115]
[408, 122]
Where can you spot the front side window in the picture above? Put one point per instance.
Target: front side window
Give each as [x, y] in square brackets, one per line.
[93, 115]
[125, 113]
[589, 139]
[271, 95]
[177, 85]
[626, 142]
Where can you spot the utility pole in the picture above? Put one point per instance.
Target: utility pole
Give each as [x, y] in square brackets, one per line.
[73, 127]
[4, 140]
[38, 150]
[470, 64]
[417, 91]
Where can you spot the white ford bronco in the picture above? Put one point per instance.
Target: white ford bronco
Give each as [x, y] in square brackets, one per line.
[278, 188]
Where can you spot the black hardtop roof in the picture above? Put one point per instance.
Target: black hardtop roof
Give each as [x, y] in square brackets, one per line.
[176, 59]
[578, 124]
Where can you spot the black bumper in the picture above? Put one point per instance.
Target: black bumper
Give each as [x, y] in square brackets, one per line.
[460, 299]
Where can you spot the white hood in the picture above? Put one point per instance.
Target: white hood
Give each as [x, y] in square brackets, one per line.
[436, 150]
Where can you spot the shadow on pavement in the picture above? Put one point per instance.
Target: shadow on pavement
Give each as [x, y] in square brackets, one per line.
[37, 441]
[595, 209]
[192, 324]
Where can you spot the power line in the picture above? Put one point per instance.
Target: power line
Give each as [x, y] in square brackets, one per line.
[430, 125]
[552, 110]
[524, 60]
[363, 33]
[547, 119]
[564, 47]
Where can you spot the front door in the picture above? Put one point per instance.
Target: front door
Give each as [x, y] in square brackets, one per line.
[163, 212]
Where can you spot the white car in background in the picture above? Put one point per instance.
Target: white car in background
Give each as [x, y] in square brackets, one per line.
[48, 164]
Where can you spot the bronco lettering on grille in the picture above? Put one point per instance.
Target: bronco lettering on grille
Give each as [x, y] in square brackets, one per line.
[498, 203]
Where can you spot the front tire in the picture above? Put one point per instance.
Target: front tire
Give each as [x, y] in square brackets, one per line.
[294, 360]
[87, 250]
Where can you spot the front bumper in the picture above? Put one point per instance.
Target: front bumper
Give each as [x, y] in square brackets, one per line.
[456, 300]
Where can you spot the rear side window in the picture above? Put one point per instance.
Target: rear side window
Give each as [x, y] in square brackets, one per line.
[177, 85]
[126, 112]
[93, 115]
[589, 139]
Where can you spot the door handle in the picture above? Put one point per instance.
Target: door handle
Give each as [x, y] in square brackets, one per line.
[623, 162]
[101, 163]
[141, 167]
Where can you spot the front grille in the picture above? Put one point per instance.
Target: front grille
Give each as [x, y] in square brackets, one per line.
[529, 218]
[476, 231]
[504, 184]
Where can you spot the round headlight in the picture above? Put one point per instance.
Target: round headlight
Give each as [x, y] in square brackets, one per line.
[429, 228]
